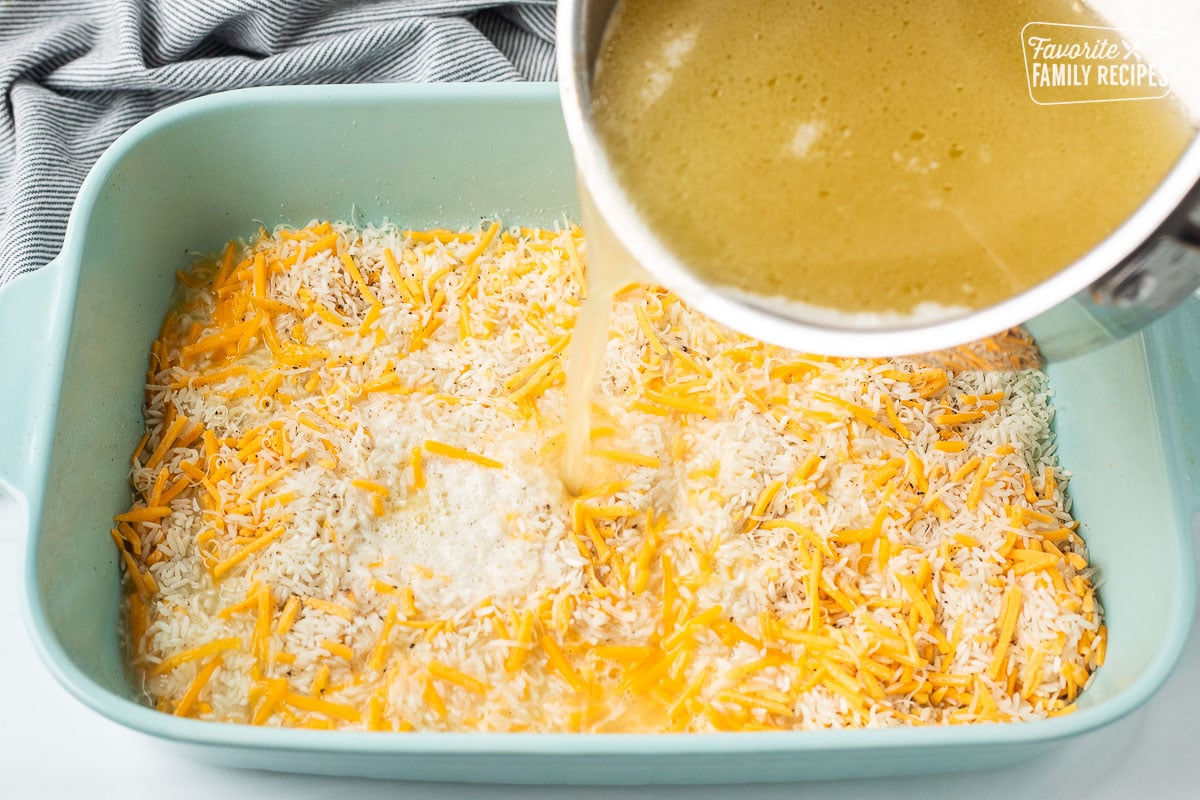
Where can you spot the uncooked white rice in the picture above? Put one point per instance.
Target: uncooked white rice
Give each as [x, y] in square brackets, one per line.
[289, 398]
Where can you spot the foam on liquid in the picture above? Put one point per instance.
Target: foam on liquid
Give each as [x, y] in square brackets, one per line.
[866, 157]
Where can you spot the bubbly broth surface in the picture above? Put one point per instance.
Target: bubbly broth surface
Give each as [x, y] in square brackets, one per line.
[867, 157]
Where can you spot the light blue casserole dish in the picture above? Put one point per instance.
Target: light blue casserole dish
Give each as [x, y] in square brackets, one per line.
[74, 339]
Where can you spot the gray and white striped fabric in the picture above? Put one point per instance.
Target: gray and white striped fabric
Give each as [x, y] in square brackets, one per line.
[76, 73]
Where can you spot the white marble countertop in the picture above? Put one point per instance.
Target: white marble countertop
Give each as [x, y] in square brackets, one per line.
[52, 746]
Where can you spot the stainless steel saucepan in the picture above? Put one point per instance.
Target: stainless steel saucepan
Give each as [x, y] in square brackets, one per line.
[1138, 273]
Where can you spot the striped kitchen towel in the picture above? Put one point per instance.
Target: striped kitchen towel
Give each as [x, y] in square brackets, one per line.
[76, 73]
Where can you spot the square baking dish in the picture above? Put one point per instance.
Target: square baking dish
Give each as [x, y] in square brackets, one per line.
[74, 339]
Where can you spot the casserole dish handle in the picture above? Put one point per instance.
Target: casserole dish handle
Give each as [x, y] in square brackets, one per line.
[28, 306]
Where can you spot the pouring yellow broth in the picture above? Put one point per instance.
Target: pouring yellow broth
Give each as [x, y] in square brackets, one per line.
[882, 158]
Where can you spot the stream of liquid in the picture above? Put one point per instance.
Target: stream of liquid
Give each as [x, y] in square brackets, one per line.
[609, 269]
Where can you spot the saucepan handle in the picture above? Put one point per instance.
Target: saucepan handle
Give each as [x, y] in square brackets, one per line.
[28, 314]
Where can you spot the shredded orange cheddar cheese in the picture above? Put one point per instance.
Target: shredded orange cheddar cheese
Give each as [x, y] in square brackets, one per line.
[346, 510]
